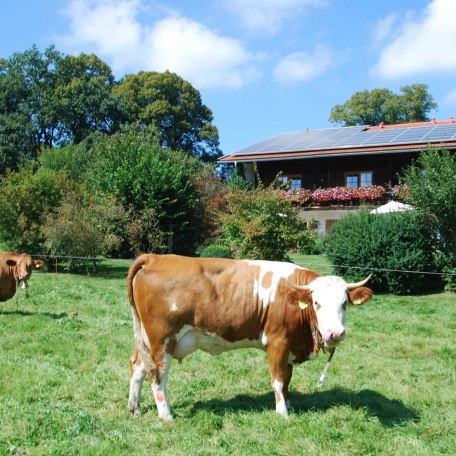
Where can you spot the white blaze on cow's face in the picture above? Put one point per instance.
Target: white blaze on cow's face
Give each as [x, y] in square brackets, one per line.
[329, 297]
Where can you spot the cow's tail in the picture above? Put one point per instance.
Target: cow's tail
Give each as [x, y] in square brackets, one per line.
[143, 350]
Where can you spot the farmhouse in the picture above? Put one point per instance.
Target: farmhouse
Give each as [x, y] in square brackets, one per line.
[340, 160]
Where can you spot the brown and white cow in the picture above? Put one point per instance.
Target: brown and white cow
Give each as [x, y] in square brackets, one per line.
[180, 304]
[14, 269]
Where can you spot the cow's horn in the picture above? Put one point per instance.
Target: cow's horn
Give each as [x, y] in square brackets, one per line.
[352, 286]
[301, 287]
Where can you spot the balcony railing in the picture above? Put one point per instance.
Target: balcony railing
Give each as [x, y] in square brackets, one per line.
[346, 196]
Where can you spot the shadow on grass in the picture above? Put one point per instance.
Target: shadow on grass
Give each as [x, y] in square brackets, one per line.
[26, 313]
[390, 412]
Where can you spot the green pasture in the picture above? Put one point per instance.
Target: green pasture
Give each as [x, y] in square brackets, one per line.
[64, 377]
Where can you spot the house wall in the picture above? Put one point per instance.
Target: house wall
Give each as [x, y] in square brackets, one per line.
[322, 219]
[330, 171]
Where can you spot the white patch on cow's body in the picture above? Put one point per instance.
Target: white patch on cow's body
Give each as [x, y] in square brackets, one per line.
[281, 406]
[215, 344]
[190, 339]
[136, 382]
[264, 339]
[173, 307]
[329, 295]
[279, 270]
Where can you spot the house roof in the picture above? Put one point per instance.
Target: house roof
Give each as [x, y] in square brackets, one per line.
[355, 140]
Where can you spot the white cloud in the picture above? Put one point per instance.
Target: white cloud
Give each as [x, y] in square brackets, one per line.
[423, 45]
[110, 29]
[302, 66]
[383, 27]
[267, 16]
[196, 52]
[107, 27]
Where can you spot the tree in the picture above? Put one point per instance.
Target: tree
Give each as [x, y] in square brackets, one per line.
[431, 184]
[174, 107]
[382, 105]
[28, 112]
[50, 99]
[84, 89]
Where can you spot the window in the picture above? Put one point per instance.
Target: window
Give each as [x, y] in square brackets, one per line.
[329, 223]
[293, 181]
[359, 179]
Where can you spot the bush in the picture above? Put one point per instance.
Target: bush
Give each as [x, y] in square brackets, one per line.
[26, 199]
[216, 251]
[262, 224]
[142, 176]
[398, 241]
[312, 245]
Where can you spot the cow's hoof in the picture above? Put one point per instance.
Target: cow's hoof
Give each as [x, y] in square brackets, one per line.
[134, 410]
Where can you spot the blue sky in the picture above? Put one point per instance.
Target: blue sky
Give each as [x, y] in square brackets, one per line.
[262, 66]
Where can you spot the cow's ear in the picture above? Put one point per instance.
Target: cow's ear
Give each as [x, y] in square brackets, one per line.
[11, 262]
[38, 264]
[360, 296]
[302, 299]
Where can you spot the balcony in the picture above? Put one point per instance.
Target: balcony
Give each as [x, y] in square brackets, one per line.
[345, 196]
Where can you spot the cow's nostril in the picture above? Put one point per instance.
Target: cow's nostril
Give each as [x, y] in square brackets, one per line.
[342, 334]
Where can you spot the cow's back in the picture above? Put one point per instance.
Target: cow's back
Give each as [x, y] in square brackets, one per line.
[213, 295]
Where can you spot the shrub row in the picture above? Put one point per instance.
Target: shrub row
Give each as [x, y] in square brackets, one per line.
[383, 245]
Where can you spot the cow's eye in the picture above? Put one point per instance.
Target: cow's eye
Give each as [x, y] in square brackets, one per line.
[317, 305]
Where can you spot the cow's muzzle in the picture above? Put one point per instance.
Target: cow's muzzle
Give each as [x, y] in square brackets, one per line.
[332, 338]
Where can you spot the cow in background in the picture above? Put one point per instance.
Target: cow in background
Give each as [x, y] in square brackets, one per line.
[14, 269]
[181, 304]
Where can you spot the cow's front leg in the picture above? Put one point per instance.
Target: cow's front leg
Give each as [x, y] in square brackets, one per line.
[280, 377]
[138, 372]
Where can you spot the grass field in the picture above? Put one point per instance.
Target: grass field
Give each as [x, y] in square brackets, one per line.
[64, 375]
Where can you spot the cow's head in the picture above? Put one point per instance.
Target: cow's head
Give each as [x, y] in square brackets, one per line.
[329, 296]
[23, 265]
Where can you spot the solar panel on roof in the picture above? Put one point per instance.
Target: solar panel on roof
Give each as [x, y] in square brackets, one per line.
[324, 140]
[440, 132]
[383, 137]
[344, 137]
[413, 134]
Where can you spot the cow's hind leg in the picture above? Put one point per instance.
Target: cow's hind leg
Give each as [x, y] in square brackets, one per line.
[138, 373]
[158, 379]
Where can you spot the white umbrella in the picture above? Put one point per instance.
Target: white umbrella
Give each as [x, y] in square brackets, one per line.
[392, 206]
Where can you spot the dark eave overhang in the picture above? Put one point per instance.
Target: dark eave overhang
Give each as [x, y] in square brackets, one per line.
[328, 153]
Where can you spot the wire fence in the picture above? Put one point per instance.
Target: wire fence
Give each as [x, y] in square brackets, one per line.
[55, 259]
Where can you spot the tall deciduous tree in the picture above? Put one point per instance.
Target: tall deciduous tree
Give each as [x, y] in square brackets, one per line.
[174, 107]
[84, 89]
[28, 112]
[50, 99]
[382, 105]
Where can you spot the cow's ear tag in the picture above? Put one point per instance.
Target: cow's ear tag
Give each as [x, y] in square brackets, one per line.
[357, 302]
[303, 305]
